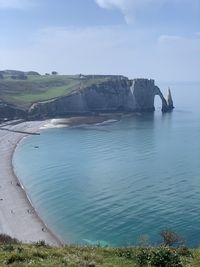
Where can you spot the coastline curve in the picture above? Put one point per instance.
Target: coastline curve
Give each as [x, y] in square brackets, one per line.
[18, 217]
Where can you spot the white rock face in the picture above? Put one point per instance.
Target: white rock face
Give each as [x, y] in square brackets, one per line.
[118, 94]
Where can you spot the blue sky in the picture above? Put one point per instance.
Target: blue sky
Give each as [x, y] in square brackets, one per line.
[157, 39]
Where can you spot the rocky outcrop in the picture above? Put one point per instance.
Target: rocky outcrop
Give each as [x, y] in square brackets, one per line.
[117, 94]
[170, 103]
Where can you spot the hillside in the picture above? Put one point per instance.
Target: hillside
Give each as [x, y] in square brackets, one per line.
[23, 91]
[30, 96]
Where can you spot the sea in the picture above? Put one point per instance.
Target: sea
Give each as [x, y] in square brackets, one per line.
[119, 183]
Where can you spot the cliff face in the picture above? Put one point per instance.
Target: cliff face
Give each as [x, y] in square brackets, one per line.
[115, 95]
[10, 112]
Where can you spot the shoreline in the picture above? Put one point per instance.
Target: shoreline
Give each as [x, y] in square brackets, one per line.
[76, 121]
[58, 240]
[18, 217]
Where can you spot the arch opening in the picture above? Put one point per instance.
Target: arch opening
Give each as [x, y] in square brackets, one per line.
[158, 103]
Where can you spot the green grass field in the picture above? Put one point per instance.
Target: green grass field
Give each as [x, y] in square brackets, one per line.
[14, 253]
[38, 255]
[35, 88]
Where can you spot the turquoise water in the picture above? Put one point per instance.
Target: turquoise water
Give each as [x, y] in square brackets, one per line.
[113, 183]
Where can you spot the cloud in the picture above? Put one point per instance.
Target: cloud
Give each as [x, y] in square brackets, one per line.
[125, 6]
[16, 4]
[121, 4]
[131, 8]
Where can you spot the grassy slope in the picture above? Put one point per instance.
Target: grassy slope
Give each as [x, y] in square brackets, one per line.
[23, 93]
[36, 256]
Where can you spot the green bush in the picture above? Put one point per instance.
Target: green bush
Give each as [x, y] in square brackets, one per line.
[158, 257]
[143, 256]
[8, 247]
[41, 255]
[127, 253]
[40, 243]
[6, 239]
[165, 257]
[15, 258]
[184, 251]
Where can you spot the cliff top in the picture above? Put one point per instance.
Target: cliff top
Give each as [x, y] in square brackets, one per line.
[25, 88]
[40, 254]
[22, 89]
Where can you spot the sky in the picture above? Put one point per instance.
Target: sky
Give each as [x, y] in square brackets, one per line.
[158, 39]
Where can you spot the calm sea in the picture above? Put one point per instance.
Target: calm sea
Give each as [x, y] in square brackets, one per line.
[120, 182]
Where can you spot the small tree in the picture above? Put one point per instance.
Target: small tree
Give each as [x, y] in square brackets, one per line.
[171, 238]
[54, 73]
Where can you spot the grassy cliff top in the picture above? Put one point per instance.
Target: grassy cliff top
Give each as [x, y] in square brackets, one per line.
[26, 90]
[41, 255]
[15, 253]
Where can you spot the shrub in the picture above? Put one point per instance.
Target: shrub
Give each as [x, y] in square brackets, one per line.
[158, 257]
[171, 238]
[54, 73]
[165, 257]
[40, 243]
[125, 252]
[41, 255]
[15, 258]
[6, 239]
[184, 251]
[143, 256]
[8, 247]
[20, 249]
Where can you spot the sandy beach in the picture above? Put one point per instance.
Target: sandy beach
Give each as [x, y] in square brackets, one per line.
[17, 217]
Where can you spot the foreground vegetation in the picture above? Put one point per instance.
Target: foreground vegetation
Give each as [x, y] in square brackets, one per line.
[14, 253]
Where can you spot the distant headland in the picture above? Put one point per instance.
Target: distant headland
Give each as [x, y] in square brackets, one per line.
[30, 96]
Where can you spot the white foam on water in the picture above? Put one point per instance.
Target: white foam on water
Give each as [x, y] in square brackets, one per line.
[105, 122]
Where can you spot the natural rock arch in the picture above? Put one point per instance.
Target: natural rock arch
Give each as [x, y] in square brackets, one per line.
[164, 102]
[144, 92]
[167, 105]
